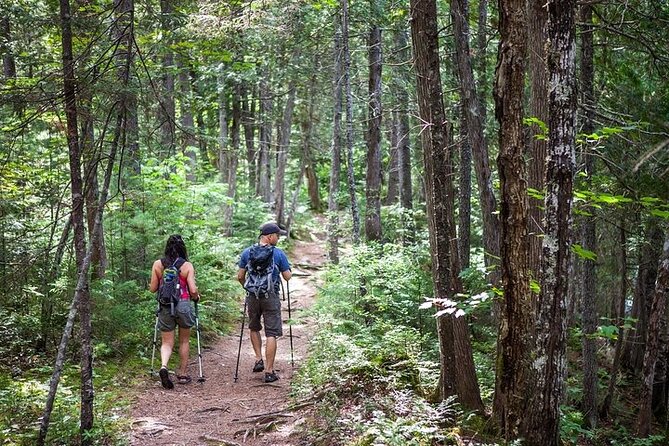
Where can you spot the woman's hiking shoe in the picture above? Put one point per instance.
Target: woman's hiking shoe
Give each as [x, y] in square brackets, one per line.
[184, 379]
[259, 366]
[270, 377]
[165, 378]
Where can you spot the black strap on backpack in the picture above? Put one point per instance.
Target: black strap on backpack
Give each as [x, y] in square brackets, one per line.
[177, 264]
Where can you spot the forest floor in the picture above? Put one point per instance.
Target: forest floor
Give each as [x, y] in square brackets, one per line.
[247, 412]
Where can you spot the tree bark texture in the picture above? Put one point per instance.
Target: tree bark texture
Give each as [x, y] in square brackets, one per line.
[282, 156]
[91, 159]
[188, 141]
[233, 159]
[635, 340]
[453, 332]
[373, 178]
[223, 151]
[248, 122]
[350, 176]
[481, 61]
[264, 171]
[515, 332]
[166, 106]
[621, 255]
[81, 289]
[589, 282]
[335, 167]
[543, 418]
[657, 309]
[537, 41]
[47, 299]
[8, 62]
[475, 132]
[76, 185]
[393, 168]
[464, 193]
[309, 162]
[402, 129]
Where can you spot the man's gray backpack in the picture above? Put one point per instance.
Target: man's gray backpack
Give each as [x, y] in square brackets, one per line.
[259, 282]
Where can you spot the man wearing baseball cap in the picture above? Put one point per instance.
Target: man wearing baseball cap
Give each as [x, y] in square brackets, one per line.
[265, 304]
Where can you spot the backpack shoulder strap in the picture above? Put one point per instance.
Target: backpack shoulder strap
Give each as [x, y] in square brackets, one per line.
[179, 262]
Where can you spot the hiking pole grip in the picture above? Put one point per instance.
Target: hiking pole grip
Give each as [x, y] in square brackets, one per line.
[155, 343]
[241, 334]
[290, 325]
[199, 351]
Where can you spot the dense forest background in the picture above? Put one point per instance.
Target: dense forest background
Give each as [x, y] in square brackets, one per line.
[500, 170]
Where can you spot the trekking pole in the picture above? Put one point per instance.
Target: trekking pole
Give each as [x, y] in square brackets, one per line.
[155, 342]
[199, 352]
[241, 334]
[290, 326]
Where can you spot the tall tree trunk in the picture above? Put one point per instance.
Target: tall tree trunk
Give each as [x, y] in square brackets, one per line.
[166, 111]
[542, 420]
[248, 122]
[264, 170]
[125, 30]
[8, 62]
[335, 166]
[76, 185]
[481, 61]
[305, 159]
[47, 299]
[233, 159]
[223, 150]
[622, 297]
[201, 132]
[373, 178]
[635, 340]
[402, 129]
[515, 331]
[283, 149]
[658, 304]
[188, 142]
[464, 193]
[475, 133]
[537, 12]
[393, 169]
[453, 332]
[81, 289]
[307, 151]
[589, 282]
[91, 160]
[355, 213]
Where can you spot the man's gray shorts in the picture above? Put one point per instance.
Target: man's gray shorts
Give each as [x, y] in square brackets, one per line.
[270, 310]
[184, 316]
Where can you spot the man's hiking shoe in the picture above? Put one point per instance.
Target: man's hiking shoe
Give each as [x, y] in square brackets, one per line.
[259, 366]
[165, 378]
[270, 377]
[184, 379]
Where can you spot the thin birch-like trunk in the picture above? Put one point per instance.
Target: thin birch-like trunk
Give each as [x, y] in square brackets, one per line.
[350, 176]
[335, 167]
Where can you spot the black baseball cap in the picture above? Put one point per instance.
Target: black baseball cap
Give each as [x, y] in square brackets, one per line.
[271, 228]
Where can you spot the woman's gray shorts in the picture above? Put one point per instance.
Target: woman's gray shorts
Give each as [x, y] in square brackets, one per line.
[184, 316]
[270, 310]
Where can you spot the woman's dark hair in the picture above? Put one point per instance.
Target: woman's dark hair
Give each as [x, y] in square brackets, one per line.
[175, 247]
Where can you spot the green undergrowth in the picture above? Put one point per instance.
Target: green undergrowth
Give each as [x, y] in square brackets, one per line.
[23, 397]
[123, 310]
[373, 366]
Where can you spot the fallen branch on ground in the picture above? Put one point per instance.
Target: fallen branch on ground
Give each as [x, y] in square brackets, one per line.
[213, 409]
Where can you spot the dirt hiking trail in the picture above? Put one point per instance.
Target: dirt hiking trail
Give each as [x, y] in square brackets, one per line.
[219, 411]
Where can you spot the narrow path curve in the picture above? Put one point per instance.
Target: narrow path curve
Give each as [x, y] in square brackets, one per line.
[220, 411]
